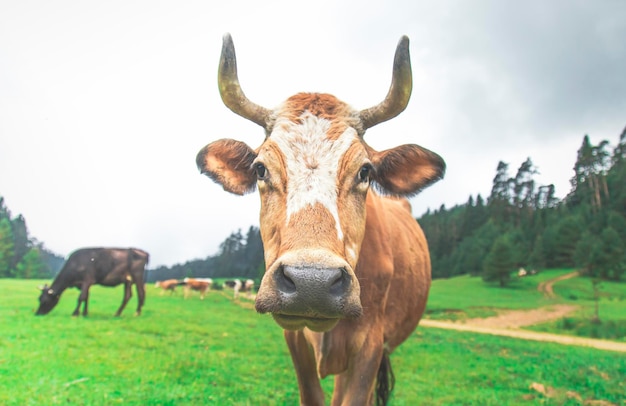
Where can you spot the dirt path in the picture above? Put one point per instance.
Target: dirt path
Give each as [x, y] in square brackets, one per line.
[523, 318]
[528, 335]
[508, 323]
[547, 287]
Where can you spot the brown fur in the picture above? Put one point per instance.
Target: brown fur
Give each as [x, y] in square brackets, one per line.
[392, 267]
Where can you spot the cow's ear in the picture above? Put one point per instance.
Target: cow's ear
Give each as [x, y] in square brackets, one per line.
[407, 169]
[229, 163]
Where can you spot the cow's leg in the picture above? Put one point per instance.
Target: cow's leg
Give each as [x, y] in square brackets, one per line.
[141, 296]
[127, 295]
[356, 386]
[82, 298]
[311, 392]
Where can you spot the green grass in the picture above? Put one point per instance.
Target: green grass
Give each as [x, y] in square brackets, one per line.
[468, 296]
[611, 310]
[215, 352]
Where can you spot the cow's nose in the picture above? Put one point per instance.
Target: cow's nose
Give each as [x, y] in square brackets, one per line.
[312, 291]
[332, 281]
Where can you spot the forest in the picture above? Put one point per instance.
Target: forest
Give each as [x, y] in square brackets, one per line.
[22, 256]
[522, 224]
[519, 225]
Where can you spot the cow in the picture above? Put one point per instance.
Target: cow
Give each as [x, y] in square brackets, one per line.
[347, 266]
[168, 285]
[239, 285]
[98, 266]
[202, 285]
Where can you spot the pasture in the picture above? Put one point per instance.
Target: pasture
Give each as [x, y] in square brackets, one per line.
[219, 352]
[468, 297]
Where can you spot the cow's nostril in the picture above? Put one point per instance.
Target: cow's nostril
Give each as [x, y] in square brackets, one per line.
[339, 285]
[285, 283]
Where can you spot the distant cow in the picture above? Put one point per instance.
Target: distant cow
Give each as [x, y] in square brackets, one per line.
[240, 285]
[168, 285]
[98, 266]
[202, 285]
[347, 269]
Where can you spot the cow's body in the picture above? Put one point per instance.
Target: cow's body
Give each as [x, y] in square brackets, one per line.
[202, 285]
[348, 270]
[98, 266]
[168, 285]
[240, 285]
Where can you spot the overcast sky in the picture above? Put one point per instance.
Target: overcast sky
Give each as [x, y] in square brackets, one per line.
[104, 105]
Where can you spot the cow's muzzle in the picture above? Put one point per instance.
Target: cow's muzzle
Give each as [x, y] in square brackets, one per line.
[309, 296]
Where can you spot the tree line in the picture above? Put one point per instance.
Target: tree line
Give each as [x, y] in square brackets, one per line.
[22, 256]
[522, 224]
[519, 225]
[239, 256]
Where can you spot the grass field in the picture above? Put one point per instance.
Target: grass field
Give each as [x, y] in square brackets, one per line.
[611, 310]
[467, 297]
[217, 352]
[469, 294]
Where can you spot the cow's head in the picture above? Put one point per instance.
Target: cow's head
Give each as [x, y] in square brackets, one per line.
[313, 172]
[47, 300]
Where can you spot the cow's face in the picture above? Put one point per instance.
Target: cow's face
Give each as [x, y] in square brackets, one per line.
[313, 173]
[47, 300]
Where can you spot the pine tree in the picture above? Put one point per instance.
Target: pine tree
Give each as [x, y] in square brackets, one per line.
[21, 244]
[616, 176]
[6, 248]
[586, 253]
[589, 185]
[612, 256]
[569, 231]
[524, 191]
[499, 263]
[31, 265]
[537, 258]
[500, 197]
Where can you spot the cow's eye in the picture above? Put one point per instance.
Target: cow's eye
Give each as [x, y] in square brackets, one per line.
[364, 173]
[261, 171]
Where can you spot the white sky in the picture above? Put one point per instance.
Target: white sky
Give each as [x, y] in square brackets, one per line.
[104, 105]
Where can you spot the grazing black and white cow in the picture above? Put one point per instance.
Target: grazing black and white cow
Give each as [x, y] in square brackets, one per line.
[98, 266]
[240, 285]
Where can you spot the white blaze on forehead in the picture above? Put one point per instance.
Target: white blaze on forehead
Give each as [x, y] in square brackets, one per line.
[312, 162]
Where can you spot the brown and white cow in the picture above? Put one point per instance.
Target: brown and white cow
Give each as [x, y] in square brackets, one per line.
[168, 285]
[348, 270]
[202, 285]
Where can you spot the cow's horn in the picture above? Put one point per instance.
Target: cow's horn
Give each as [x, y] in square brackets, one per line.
[399, 92]
[230, 89]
